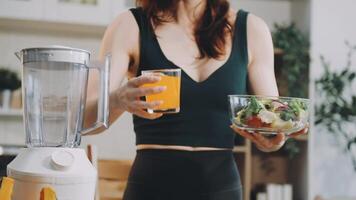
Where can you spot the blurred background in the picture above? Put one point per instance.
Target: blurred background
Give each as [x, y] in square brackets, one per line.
[314, 44]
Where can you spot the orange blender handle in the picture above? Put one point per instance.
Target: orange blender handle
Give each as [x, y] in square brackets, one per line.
[48, 194]
[6, 188]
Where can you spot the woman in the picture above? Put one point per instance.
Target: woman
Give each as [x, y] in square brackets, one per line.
[220, 51]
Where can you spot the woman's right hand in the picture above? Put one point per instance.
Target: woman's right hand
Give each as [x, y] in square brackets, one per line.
[128, 96]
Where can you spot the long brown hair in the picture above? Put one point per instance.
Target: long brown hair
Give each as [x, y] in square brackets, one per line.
[210, 30]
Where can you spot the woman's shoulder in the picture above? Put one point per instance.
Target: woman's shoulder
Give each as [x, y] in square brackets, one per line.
[122, 31]
[259, 39]
[125, 19]
[257, 29]
[255, 22]
[257, 32]
[252, 19]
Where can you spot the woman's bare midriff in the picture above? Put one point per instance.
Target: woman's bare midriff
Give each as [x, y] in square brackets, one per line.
[181, 148]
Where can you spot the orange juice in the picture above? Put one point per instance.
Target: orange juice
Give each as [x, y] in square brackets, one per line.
[171, 96]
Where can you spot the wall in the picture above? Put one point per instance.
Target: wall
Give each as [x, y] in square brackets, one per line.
[300, 14]
[118, 141]
[273, 11]
[331, 172]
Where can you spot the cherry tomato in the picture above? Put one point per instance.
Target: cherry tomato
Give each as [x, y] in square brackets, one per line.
[254, 121]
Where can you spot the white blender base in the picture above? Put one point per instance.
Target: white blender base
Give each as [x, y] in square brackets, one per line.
[66, 170]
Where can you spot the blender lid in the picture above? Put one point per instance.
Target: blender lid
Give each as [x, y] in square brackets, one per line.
[55, 54]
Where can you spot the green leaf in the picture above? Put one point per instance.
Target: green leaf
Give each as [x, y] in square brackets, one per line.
[318, 121]
[287, 115]
[344, 72]
[254, 107]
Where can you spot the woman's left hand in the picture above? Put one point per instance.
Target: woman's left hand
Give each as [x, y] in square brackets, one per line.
[267, 144]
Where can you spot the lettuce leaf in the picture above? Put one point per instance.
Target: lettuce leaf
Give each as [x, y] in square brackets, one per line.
[253, 108]
[288, 114]
[297, 106]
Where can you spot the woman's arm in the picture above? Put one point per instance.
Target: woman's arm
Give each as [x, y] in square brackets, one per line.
[122, 41]
[261, 76]
[122, 45]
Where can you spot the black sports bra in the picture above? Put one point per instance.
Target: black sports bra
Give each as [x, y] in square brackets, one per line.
[203, 120]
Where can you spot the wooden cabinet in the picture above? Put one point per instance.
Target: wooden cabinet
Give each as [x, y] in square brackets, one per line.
[257, 168]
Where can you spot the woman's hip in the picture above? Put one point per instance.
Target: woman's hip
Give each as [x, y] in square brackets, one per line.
[204, 174]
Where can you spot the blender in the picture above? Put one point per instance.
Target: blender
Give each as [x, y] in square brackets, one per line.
[54, 81]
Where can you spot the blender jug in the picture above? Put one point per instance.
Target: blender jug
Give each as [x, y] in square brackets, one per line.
[54, 95]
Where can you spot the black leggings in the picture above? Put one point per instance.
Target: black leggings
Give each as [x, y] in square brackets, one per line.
[183, 175]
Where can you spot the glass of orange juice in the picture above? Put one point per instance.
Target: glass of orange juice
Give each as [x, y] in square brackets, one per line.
[171, 96]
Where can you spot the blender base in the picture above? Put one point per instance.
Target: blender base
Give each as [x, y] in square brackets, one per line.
[66, 170]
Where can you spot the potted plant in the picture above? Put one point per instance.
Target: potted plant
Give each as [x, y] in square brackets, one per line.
[336, 108]
[293, 48]
[9, 82]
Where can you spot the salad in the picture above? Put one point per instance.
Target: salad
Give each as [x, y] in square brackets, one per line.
[271, 113]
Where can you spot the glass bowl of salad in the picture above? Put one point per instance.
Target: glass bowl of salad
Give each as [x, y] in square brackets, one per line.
[269, 115]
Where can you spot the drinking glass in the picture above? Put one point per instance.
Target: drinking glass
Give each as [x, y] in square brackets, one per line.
[171, 78]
